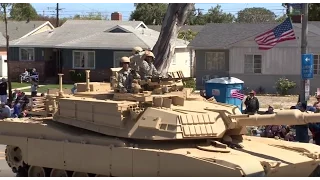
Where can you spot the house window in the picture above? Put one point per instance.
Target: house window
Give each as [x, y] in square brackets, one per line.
[117, 55]
[215, 61]
[252, 64]
[26, 54]
[316, 66]
[84, 60]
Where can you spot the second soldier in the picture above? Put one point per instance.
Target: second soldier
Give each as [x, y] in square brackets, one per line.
[147, 68]
[126, 76]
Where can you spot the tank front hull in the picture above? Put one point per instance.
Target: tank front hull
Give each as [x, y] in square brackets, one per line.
[52, 147]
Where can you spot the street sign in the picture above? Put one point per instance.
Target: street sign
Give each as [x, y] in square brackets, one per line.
[307, 89]
[307, 66]
[295, 8]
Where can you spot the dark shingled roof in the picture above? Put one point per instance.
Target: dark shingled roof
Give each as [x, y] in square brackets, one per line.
[94, 34]
[17, 29]
[195, 28]
[221, 36]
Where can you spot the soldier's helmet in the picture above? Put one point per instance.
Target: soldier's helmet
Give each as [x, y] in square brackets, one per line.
[125, 59]
[136, 50]
[150, 54]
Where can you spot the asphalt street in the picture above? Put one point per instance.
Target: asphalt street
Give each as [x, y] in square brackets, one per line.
[5, 171]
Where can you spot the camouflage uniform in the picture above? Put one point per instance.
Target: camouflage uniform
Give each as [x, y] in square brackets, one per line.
[147, 69]
[125, 79]
[136, 61]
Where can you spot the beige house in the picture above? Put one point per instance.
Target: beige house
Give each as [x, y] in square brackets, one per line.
[18, 30]
[230, 49]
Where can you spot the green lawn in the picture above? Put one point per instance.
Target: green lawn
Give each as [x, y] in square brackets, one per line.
[19, 85]
[44, 88]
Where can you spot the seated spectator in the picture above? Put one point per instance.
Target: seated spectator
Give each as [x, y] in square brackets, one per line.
[270, 110]
[15, 94]
[16, 109]
[74, 89]
[5, 111]
[26, 73]
[24, 100]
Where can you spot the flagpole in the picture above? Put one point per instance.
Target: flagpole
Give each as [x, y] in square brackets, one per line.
[304, 44]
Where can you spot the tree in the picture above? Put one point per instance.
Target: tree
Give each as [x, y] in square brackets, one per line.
[216, 15]
[282, 18]
[314, 12]
[22, 11]
[174, 19]
[191, 16]
[5, 7]
[90, 16]
[187, 35]
[255, 15]
[149, 13]
[51, 19]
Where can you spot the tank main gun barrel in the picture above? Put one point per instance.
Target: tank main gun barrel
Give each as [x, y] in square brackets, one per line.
[283, 117]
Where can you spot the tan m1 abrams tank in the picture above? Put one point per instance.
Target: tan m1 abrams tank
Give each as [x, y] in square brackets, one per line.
[145, 134]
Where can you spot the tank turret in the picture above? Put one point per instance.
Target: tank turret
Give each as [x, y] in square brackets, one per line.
[165, 115]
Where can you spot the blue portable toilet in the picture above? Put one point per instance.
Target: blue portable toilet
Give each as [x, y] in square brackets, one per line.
[221, 89]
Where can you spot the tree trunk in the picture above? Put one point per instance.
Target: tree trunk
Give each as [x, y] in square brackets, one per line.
[163, 50]
[7, 46]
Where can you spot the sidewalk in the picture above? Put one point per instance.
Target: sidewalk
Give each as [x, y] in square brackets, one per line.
[26, 92]
[27, 87]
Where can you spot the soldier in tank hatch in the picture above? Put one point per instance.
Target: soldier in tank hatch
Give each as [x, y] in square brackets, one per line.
[147, 68]
[126, 76]
[136, 58]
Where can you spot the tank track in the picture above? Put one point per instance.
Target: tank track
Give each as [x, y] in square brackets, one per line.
[14, 159]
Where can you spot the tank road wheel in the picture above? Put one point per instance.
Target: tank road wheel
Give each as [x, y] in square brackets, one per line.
[80, 174]
[14, 158]
[58, 173]
[36, 171]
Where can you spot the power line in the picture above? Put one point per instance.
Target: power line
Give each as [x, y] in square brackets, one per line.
[57, 10]
[223, 10]
[278, 12]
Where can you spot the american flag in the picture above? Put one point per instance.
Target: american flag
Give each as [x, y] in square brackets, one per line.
[282, 32]
[237, 94]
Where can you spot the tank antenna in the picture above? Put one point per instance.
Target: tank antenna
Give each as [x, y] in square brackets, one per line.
[60, 85]
[88, 80]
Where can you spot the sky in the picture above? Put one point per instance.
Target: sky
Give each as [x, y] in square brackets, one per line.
[70, 9]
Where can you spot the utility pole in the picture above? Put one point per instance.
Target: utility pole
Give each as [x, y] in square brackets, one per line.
[57, 20]
[199, 11]
[4, 6]
[304, 44]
